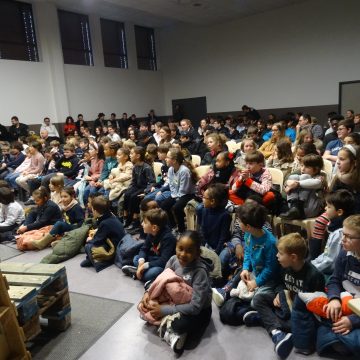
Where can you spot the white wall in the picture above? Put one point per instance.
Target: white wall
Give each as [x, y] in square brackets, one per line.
[50, 88]
[290, 57]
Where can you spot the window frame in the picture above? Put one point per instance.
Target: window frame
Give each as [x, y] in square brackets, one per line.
[152, 59]
[87, 49]
[28, 30]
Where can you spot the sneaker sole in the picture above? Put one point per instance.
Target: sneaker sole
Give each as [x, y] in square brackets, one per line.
[283, 348]
[248, 322]
[129, 271]
[178, 346]
[217, 298]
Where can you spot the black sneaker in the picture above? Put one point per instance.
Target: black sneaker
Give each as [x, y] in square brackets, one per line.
[86, 263]
[148, 284]
[129, 270]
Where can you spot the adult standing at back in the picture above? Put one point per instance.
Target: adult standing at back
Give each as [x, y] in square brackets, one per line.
[50, 128]
[17, 129]
[305, 122]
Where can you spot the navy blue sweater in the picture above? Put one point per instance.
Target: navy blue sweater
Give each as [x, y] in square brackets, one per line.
[160, 247]
[48, 214]
[68, 166]
[215, 226]
[74, 216]
[109, 227]
[346, 277]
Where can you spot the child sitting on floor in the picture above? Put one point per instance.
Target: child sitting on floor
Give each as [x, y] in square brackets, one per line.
[100, 249]
[305, 192]
[159, 246]
[45, 213]
[213, 220]
[338, 332]
[190, 319]
[73, 217]
[271, 307]
[11, 212]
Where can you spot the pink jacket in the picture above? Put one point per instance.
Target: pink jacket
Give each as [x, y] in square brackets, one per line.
[36, 164]
[168, 288]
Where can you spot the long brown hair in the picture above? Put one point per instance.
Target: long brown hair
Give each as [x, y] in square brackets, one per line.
[178, 156]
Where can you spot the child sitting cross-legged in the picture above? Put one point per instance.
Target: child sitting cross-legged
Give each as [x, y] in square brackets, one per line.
[305, 192]
[213, 220]
[73, 217]
[339, 205]
[159, 246]
[272, 308]
[260, 268]
[100, 249]
[335, 328]
[179, 321]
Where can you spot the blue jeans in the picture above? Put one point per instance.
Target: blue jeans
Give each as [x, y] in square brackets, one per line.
[158, 198]
[90, 190]
[60, 227]
[11, 179]
[150, 273]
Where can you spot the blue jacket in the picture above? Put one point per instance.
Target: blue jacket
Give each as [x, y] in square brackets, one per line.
[109, 227]
[159, 247]
[109, 164]
[215, 226]
[260, 257]
[13, 162]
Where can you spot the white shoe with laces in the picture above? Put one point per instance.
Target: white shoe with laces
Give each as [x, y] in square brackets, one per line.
[175, 341]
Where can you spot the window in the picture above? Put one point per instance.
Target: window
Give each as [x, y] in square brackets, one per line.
[114, 44]
[75, 38]
[17, 32]
[145, 48]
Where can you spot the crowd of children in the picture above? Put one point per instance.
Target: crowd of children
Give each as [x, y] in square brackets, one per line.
[265, 282]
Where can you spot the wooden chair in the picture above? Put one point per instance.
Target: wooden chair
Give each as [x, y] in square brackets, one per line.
[202, 170]
[157, 168]
[307, 224]
[328, 168]
[277, 177]
[196, 160]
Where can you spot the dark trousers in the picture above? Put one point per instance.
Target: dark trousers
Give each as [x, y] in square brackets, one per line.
[175, 209]
[33, 184]
[192, 324]
[132, 201]
[263, 304]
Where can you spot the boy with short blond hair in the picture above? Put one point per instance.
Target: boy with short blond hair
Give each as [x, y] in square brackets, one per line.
[298, 276]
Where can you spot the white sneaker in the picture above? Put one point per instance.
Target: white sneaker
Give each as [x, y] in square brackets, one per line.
[175, 341]
[217, 297]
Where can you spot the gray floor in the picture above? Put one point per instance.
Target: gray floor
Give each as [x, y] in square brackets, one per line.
[130, 338]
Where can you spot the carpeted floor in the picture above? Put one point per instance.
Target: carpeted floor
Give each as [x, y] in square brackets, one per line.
[91, 317]
[8, 252]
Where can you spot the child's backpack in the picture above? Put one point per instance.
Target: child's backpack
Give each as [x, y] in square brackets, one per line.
[233, 311]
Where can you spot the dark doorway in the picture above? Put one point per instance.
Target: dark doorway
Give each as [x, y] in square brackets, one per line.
[193, 108]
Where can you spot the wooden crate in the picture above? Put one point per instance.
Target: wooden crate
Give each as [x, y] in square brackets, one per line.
[39, 290]
[11, 335]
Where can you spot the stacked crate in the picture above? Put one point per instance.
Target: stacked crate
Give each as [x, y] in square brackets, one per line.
[11, 335]
[40, 292]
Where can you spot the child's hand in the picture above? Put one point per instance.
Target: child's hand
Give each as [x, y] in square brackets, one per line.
[245, 174]
[140, 270]
[251, 285]
[343, 326]
[155, 311]
[21, 229]
[144, 303]
[276, 301]
[333, 310]
[245, 275]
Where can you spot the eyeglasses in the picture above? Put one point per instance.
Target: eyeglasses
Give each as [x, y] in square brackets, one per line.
[350, 238]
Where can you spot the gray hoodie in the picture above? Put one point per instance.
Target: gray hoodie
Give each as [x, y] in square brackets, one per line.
[195, 275]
